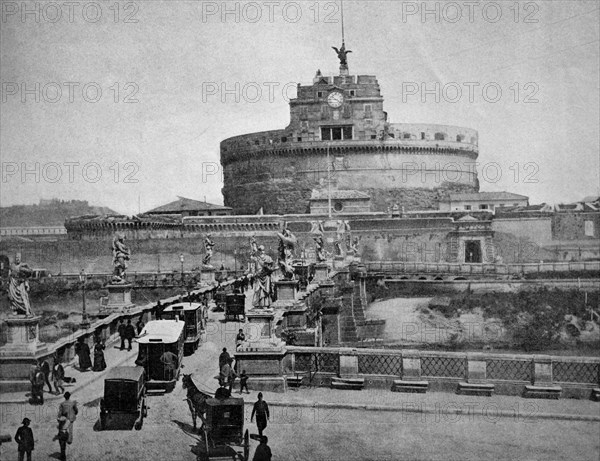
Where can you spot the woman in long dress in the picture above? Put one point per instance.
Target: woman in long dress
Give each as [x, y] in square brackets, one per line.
[83, 352]
[99, 362]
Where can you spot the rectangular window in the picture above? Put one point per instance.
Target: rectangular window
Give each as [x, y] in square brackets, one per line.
[319, 94]
[336, 114]
[589, 228]
[368, 110]
[352, 93]
[406, 135]
[468, 207]
[336, 133]
[422, 135]
[483, 207]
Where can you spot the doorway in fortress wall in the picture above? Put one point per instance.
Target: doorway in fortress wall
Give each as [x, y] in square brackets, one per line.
[473, 251]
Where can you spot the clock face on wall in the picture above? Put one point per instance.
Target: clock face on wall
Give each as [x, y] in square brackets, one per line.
[335, 99]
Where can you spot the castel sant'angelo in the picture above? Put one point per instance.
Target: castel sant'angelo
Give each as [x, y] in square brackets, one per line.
[342, 118]
[402, 192]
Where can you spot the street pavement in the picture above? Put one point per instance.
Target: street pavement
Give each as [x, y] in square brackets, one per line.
[317, 423]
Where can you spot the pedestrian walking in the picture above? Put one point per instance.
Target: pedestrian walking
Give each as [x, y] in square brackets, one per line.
[69, 410]
[58, 375]
[99, 362]
[36, 377]
[129, 333]
[63, 436]
[46, 370]
[244, 382]
[121, 330]
[140, 326]
[261, 410]
[223, 358]
[24, 437]
[83, 352]
[263, 451]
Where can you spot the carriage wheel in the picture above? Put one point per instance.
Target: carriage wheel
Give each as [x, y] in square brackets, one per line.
[246, 446]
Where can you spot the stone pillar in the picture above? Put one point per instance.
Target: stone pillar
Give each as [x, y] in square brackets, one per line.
[321, 272]
[207, 276]
[119, 299]
[411, 365]
[476, 370]
[286, 290]
[262, 354]
[348, 365]
[23, 337]
[542, 370]
[260, 323]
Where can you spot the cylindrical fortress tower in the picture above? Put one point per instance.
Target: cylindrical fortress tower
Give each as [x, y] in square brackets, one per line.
[342, 118]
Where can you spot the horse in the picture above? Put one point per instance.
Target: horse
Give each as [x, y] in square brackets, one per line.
[196, 399]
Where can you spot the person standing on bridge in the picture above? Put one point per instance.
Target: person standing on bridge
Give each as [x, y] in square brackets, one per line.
[121, 330]
[24, 438]
[263, 451]
[129, 333]
[223, 358]
[68, 409]
[261, 410]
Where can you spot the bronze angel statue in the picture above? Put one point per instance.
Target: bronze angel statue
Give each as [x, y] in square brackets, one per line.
[342, 53]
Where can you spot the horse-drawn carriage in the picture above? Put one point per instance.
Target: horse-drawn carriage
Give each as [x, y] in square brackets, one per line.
[124, 393]
[235, 306]
[222, 423]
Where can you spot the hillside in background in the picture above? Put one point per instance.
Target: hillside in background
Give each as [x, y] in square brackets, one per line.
[48, 213]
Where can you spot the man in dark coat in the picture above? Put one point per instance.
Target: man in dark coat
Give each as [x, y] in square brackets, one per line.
[36, 377]
[223, 358]
[261, 410]
[263, 452]
[24, 437]
[46, 370]
[129, 333]
[121, 330]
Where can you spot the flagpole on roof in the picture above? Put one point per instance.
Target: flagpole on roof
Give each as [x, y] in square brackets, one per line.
[328, 183]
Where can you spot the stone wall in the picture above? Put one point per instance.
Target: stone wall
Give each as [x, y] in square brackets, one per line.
[279, 177]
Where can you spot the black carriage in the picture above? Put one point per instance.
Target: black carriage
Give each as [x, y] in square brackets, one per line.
[193, 315]
[161, 353]
[235, 306]
[223, 430]
[220, 300]
[124, 393]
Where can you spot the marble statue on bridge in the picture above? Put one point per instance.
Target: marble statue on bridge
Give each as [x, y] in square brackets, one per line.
[121, 254]
[287, 243]
[263, 268]
[18, 288]
[209, 244]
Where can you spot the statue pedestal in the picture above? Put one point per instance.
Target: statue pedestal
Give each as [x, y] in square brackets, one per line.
[321, 272]
[260, 323]
[207, 276]
[20, 353]
[262, 354]
[295, 316]
[119, 299]
[22, 337]
[286, 290]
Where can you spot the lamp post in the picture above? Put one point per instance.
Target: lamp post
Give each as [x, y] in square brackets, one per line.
[181, 259]
[85, 323]
[235, 261]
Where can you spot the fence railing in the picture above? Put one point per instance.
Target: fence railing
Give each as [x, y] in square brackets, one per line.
[447, 365]
[464, 268]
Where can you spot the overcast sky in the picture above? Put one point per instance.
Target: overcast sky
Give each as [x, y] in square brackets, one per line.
[157, 124]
